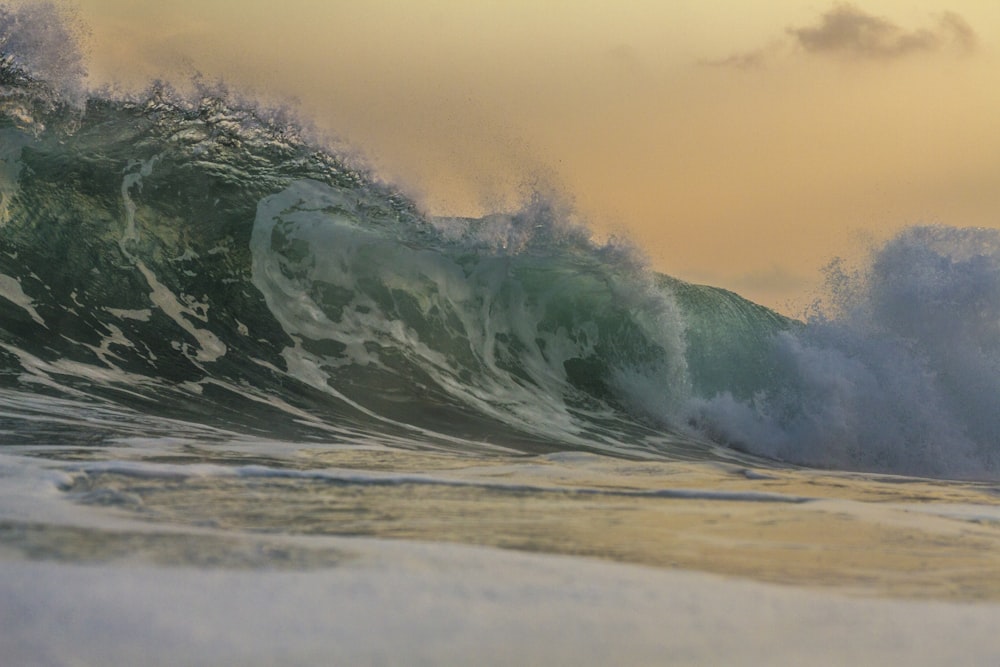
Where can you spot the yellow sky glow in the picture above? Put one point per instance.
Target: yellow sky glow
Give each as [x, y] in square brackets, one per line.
[740, 144]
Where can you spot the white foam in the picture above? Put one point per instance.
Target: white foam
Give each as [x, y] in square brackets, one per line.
[417, 604]
[140, 315]
[10, 289]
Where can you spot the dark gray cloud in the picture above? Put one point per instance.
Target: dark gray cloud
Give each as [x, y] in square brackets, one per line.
[849, 30]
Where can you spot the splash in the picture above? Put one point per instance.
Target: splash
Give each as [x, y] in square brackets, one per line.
[39, 43]
[903, 376]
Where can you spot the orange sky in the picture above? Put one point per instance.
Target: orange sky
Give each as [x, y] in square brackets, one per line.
[739, 144]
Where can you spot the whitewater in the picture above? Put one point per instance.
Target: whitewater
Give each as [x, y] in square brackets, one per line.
[256, 407]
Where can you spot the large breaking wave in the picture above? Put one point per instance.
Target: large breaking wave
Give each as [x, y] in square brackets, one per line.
[191, 258]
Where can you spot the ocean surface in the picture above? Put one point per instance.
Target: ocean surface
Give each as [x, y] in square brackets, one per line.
[257, 408]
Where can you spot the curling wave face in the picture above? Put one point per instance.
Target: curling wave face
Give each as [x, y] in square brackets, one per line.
[192, 258]
[201, 260]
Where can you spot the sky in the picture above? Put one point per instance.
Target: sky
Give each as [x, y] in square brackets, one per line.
[740, 144]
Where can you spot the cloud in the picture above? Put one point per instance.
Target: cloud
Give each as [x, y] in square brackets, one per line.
[846, 29]
[744, 61]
